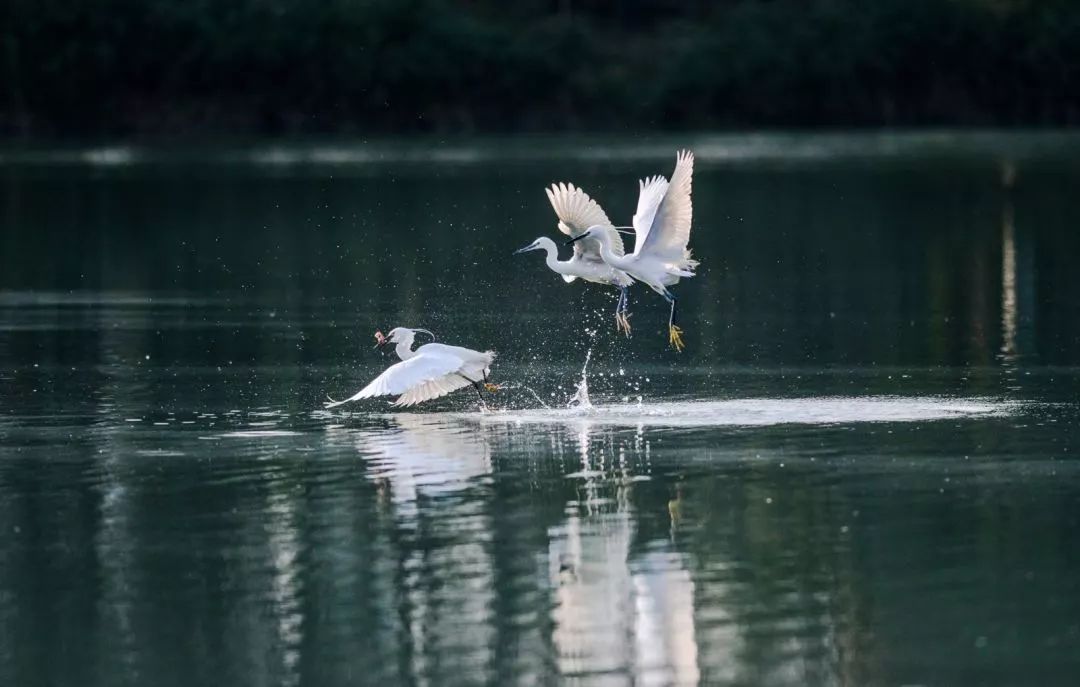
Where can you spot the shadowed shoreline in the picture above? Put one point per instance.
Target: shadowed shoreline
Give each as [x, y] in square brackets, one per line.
[286, 67]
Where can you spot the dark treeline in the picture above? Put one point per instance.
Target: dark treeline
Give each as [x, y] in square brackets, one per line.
[122, 67]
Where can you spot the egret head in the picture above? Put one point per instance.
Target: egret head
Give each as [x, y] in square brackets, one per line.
[539, 244]
[399, 335]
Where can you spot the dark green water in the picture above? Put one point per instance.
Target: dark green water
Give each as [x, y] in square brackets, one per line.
[862, 471]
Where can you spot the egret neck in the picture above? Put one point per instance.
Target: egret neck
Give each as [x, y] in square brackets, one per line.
[551, 253]
[617, 261]
[404, 347]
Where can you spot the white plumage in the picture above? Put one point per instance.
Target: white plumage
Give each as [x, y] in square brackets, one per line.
[577, 213]
[662, 230]
[431, 371]
[664, 214]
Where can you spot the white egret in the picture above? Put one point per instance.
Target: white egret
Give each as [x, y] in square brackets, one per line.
[430, 371]
[662, 229]
[577, 212]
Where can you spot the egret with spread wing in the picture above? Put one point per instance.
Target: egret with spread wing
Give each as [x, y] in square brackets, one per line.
[662, 229]
[577, 212]
[430, 371]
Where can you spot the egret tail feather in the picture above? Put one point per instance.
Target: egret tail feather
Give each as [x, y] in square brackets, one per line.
[335, 404]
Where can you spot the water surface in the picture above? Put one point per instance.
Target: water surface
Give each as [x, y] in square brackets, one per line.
[861, 470]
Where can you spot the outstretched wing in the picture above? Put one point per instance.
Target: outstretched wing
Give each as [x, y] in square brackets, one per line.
[577, 212]
[420, 378]
[650, 194]
[440, 386]
[575, 209]
[665, 212]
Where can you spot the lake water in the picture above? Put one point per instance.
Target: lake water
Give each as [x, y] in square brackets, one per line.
[861, 471]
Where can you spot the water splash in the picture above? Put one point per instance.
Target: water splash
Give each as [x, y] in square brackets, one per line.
[581, 396]
[762, 412]
[530, 390]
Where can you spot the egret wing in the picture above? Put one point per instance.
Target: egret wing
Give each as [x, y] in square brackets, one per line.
[473, 366]
[669, 214]
[575, 209]
[650, 194]
[413, 378]
[577, 212]
[440, 386]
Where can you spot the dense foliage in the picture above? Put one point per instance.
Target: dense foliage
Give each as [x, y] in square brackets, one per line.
[78, 67]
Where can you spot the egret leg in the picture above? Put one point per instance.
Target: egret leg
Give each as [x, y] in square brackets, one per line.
[626, 309]
[674, 332]
[488, 386]
[479, 396]
[622, 312]
[476, 388]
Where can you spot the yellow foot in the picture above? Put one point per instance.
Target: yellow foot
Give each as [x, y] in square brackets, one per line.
[675, 338]
[491, 388]
[622, 323]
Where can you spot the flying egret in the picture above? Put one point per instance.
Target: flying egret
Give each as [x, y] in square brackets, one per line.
[577, 212]
[431, 371]
[662, 229]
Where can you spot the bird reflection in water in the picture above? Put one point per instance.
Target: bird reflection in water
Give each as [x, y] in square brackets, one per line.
[617, 612]
[424, 454]
[444, 579]
[620, 605]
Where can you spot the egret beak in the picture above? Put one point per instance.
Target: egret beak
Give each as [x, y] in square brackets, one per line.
[576, 238]
[526, 249]
[380, 340]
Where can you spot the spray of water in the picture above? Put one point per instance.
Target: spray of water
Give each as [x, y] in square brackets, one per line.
[581, 396]
[530, 390]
